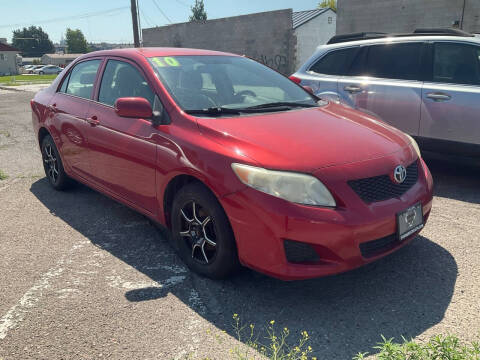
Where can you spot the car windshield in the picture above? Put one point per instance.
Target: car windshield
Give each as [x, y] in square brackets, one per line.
[227, 84]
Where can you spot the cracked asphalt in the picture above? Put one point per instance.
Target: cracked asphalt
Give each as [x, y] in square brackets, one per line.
[83, 277]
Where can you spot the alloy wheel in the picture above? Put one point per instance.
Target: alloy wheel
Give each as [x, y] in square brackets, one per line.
[197, 229]
[51, 162]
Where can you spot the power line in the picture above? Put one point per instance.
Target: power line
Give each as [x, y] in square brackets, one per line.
[76, 17]
[148, 21]
[161, 11]
[182, 3]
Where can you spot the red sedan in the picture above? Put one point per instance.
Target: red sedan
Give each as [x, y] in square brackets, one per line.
[240, 163]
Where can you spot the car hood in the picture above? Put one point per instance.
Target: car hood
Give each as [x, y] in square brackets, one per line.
[306, 139]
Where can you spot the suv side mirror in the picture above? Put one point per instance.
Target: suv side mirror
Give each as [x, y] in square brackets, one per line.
[136, 107]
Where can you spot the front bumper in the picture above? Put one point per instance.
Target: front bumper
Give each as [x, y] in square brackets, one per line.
[261, 224]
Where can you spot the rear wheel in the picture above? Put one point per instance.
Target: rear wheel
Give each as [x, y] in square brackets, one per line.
[52, 163]
[202, 233]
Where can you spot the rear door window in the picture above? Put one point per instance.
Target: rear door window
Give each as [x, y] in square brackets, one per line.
[456, 63]
[394, 61]
[337, 62]
[82, 78]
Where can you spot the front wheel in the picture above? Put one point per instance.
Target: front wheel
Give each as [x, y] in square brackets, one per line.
[41, 73]
[52, 163]
[202, 233]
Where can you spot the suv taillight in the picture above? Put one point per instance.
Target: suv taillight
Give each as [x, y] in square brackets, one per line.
[295, 79]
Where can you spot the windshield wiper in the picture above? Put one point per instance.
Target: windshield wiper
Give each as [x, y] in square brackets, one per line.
[279, 104]
[214, 111]
[219, 111]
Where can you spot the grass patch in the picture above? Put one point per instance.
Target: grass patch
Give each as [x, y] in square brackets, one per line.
[439, 347]
[3, 176]
[274, 344]
[26, 79]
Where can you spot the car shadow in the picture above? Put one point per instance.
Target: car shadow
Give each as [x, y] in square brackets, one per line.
[403, 294]
[455, 177]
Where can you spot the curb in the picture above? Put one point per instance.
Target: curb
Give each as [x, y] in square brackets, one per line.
[10, 88]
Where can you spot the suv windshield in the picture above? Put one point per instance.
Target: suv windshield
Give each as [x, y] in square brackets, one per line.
[216, 85]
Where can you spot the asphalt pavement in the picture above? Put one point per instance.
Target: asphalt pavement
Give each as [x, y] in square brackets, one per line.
[83, 277]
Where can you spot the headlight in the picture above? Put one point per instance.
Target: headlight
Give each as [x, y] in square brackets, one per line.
[294, 187]
[415, 145]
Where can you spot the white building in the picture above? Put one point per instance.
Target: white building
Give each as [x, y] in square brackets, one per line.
[312, 28]
[8, 60]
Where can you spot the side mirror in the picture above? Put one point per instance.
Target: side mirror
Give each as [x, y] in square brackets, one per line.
[135, 107]
[308, 88]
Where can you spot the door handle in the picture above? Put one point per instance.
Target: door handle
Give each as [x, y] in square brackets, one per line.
[352, 89]
[52, 107]
[438, 96]
[93, 120]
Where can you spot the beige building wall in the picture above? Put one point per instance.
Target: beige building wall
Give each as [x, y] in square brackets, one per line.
[405, 15]
[58, 59]
[267, 37]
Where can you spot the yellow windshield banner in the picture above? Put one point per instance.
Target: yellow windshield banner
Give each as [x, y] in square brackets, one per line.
[165, 61]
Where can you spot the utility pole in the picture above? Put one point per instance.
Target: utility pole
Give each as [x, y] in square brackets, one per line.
[133, 6]
[463, 14]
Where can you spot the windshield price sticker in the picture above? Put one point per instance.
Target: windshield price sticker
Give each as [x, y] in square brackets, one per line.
[165, 61]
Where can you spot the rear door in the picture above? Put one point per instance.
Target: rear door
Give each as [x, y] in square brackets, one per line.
[122, 150]
[323, 74]
[69, 107]
[451, 99]
[386, 81]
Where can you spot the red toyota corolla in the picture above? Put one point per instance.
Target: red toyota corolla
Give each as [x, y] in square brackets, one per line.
[241, 164]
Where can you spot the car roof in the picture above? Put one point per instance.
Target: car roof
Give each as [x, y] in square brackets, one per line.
[156, 51]
[384, 40]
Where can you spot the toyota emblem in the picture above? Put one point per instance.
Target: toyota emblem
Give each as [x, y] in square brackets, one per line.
[399, 174]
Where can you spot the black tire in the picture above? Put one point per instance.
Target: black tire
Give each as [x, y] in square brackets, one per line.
[216, 262]
[41, 73]
[52, 164]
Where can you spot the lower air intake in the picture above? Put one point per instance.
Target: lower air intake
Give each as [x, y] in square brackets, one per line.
[298, 252]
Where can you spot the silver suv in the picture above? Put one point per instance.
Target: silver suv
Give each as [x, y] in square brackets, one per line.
[426, 83]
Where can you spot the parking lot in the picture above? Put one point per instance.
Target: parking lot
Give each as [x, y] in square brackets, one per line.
[84, 277]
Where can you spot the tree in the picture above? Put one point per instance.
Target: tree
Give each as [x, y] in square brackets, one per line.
[32, 41]
[198, 11]
[332, 4]
[76, 42]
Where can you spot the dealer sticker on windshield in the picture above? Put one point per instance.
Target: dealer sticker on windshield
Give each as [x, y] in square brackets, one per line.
[409, 221]
[163, 61]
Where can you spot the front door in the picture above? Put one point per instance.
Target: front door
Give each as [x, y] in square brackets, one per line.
[69, 107]
[122, 152]
[451, 100]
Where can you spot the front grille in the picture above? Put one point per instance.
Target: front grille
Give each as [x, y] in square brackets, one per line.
[379, 188]
[297, 252]
[376, 247]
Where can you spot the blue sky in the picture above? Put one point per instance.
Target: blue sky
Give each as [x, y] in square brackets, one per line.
[56, 15]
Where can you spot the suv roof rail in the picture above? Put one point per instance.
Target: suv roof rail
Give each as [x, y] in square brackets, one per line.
[356, 36]
[442, 31]
[378, 35]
